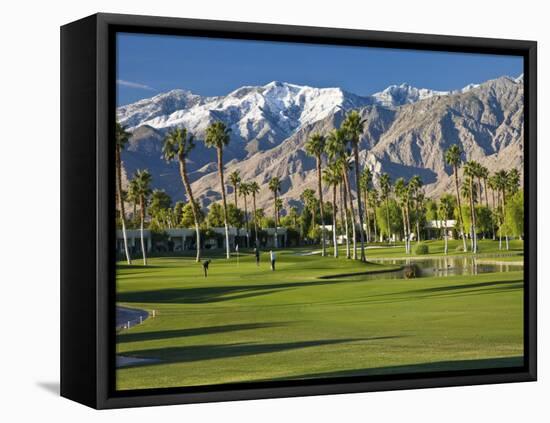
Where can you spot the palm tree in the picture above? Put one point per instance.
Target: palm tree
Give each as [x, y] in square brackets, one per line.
[470, 170]
[484, 174]
[254, 188]
[385, 190]
[235, 180]
[310, 202]
[402, 194]
[343, 208]
[332, 178]
[142, 180]
[121, 139]
[507, 183]
[278, 208]
[493, 184]
[178, 144]
[132, 196]
[353, 125]
[366, 182]
[275, 187]
[512, 182]
[293, 214]
[374, 202]
[453, 158]
[315, 146]
[415, 185]
[337, 152]
[445, 211]
[217, 136]
[244, 190]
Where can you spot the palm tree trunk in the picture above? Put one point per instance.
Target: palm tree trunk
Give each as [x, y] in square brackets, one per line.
[445, 234]
[246, 222]
[473, 217]
[142, 216]
[320, 187]
[359, 205]
[499, 210]
[224, 200]
[187, 184]
[345, 220]
[375, 222]
[485, 192]
[417, 211]
[367, 217]
[479, 198]
[352, 210]
[404, 229]
[460, 219]
[334, 240]
[493, 214]
[504, 217]
[388, 219]
[121, 202]
[255, 220]
[407, 215]
[276, 237]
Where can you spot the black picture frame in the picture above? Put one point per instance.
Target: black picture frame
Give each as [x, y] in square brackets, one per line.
[87, 195]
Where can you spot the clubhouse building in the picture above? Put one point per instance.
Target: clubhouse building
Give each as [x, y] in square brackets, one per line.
[183, 239]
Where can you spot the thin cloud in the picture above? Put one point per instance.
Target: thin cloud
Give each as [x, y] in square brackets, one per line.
[134, 85]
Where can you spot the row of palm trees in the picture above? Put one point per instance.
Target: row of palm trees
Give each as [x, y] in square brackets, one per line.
[336, 154]
[474, 173]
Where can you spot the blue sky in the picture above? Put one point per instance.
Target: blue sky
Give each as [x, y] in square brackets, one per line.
[151, 64]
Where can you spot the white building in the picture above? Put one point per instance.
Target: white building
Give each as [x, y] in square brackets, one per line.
[183, 239]
[434, 228]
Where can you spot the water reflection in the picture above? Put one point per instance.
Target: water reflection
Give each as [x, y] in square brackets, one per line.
[443, 266]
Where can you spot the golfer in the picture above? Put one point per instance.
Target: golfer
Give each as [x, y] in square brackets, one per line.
[205, 264]
[257, 255]
[272, 258]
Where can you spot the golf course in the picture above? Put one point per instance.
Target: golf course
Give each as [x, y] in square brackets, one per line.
[318, 317]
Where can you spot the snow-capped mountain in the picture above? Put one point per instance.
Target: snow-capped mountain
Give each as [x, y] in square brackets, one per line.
[406, 132]
[273, 111]
[266, 113]
[398, 95]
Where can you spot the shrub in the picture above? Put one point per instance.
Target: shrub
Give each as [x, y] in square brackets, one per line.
[421, 249]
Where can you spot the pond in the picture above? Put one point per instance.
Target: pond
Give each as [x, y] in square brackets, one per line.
[443, 266]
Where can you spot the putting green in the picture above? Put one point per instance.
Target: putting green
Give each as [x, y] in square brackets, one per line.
[247, 323]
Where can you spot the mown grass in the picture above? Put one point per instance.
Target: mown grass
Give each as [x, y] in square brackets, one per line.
[245, 323]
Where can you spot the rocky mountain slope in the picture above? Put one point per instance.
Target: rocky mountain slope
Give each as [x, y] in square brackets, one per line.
[407, 130]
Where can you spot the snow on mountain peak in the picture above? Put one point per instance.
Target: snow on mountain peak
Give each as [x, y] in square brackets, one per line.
[398, 95]
[519, 79]
[272, 111]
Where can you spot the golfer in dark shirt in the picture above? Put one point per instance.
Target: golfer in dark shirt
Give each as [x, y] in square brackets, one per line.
[257, 254]
[205, 264]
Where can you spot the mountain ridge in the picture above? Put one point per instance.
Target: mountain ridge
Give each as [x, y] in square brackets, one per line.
[402, 138]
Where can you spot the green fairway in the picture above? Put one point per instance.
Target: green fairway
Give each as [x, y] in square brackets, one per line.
[310, 318]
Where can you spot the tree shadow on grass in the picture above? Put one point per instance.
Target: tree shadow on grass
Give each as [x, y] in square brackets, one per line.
[437, 366]
[211, 352]
[208, 294]
[179, 333]
[437, 292]
[125, 266]
[468, 286]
